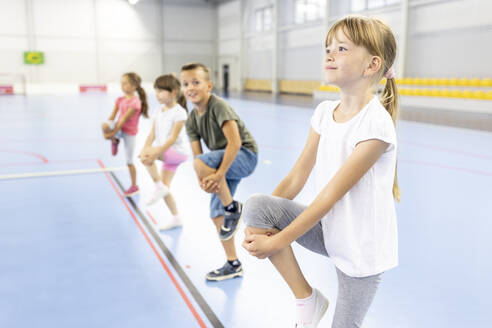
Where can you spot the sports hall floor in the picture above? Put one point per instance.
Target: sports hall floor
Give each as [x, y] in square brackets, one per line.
[75, 253]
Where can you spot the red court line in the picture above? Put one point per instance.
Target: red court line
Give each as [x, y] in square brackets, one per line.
[164, 265]
[151, 217]
[44, 159]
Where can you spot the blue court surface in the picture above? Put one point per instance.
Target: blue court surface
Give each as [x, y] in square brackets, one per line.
[75, 253]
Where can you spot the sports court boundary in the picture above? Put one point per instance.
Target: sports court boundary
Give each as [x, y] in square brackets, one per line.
[211, 316]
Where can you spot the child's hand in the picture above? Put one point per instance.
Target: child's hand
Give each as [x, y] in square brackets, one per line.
[144, 156]
[153, 153]
[211, 183]
[261, 246]
[109, 135]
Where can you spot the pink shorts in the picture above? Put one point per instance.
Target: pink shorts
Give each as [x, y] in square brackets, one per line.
[172, 160]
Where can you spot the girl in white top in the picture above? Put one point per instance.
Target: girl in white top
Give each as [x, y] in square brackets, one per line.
[352, 144]
[166, 142]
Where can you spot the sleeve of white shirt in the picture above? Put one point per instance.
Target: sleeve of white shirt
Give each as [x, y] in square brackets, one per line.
[379, 126]
[318, 116]
[181, 116]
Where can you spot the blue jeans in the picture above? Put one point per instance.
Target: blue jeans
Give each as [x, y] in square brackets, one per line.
[243, 165]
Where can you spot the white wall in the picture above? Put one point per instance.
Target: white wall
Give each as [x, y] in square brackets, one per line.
[91, 41]
[229, 43]
[446, 38]
[450, 39]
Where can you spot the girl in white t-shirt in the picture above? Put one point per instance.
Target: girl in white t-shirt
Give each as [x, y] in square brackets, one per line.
[166, 142]
[352, 144]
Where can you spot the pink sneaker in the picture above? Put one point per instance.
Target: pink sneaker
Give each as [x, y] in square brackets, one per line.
[131, 191]
[114, 147]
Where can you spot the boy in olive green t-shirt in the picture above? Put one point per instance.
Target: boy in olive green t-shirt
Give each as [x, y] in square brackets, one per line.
[233, 155]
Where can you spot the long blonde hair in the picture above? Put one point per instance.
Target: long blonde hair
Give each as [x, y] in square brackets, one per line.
[378, 39]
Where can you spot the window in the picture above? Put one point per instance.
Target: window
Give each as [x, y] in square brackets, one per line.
[309, 10]
[267, 18]
[264, 19]
[360, 5]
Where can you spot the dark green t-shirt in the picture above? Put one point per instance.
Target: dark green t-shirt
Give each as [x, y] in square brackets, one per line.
[208, 126]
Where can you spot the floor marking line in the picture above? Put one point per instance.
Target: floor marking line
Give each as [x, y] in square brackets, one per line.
[216, 323]
[58, 173]
[41, 157]
[151, 217]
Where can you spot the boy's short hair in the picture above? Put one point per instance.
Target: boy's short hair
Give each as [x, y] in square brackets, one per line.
[193, 66]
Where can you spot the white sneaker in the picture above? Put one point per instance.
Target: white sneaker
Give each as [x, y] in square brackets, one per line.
[320, 310]
[158, 194]
[175, 222]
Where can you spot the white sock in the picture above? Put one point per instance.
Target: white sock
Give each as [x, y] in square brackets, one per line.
[159, 184]
[176, 218]
[305, 308]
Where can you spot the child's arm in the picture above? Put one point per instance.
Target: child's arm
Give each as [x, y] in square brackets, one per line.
[144, 154]
[231, 132]
[153, 152]
[196, 148]
[359, 162]
[121, 122]
[113, 113]
[174, 136]
[293, 183]
[151, 137]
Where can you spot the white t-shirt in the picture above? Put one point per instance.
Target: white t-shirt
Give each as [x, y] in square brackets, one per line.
[164, 122]
[360, 231]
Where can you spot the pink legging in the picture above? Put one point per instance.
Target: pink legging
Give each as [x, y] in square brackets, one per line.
[171, 159]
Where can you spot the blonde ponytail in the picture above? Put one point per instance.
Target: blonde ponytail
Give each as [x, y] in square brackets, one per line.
[389, 99]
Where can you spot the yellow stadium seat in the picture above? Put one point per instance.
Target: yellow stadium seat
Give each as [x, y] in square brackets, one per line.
[479, 95]
[434, 81]
[446, 93]
[443, 81]
[464, 82]
[453, 82]
[486, 82]
[456, 93]
[435, 93]
[475, 82]
[408, 81]
[467, 94]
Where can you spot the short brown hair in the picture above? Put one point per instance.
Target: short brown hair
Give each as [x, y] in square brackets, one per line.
[193, 66]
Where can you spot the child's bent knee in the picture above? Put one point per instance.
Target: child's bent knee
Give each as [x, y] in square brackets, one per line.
[201, 168]
[254, 212]
[261, 231]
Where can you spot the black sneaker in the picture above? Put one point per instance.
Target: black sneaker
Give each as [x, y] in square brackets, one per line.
[231, 223]
[228, 271]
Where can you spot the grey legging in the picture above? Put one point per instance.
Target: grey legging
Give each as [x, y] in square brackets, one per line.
[355, 295]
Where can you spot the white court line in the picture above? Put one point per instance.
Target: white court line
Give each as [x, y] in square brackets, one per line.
[55, 173]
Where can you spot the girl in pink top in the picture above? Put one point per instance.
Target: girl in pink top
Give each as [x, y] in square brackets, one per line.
[128, 108]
